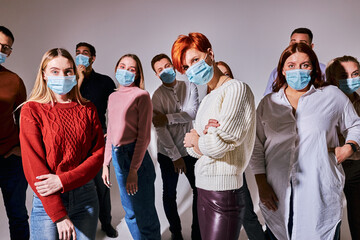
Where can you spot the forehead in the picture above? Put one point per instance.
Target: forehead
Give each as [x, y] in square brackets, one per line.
[298, 37]
[128, 61]
[59, 62]
[298, 57]
[162, 62]
[83, 48]
[5, 39]
[350, 66]
[222, 68]
[190, 54]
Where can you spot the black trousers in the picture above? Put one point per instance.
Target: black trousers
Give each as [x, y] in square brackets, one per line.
[352, 194]
[103, 194]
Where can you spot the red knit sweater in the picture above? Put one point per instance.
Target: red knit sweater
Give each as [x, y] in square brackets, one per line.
[64, 139]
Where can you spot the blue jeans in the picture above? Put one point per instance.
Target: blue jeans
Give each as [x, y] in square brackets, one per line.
[251, 223]
[13, 186]
[83, 210]
[140, 212]
[170, 180]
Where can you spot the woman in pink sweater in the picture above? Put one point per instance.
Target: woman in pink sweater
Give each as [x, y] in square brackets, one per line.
[62, 147]
[128, 136]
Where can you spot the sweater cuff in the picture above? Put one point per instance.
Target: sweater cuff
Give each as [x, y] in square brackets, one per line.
[64, 182]
[193, 153]
[59, 215]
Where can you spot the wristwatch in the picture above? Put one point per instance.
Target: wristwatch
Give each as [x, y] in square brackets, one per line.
[353, 146]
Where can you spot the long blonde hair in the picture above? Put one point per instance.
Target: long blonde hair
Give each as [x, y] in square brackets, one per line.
[41, 92]
[139, 81]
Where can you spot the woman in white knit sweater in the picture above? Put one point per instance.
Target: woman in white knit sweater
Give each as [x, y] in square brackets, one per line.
[223, 151]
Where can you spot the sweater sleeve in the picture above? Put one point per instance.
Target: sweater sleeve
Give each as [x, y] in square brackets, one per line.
[145, 110]
[88, 169]
[34, 161]
[236, 119]
[108, 146]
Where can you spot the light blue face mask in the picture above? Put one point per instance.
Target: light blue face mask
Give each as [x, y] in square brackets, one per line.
[3, 57]
[298, 79]
[167, 75]
[350, 85]
[82, 60]
[200, 73]
[124, 77]
[61, 84]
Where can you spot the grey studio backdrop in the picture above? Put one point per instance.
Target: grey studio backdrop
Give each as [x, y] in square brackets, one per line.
[248, 35]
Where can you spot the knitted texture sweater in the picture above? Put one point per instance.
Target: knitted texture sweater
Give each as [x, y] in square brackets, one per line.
[64, 139]
[226, 149]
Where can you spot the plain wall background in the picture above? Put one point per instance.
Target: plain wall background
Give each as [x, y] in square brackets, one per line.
[248, 35]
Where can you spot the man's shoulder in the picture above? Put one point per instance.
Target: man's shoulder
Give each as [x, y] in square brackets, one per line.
[9, 72]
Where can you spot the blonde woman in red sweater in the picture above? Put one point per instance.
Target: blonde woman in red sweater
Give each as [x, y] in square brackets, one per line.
[62, 146]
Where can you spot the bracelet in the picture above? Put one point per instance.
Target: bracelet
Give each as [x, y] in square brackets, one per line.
[353, 146]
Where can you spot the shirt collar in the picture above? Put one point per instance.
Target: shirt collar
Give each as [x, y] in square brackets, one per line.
[173, 87]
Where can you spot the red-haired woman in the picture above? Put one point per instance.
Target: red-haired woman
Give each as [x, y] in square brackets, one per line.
[223, 151]
[297, 154]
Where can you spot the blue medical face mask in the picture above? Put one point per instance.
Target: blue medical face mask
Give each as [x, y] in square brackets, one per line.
[298, 79]
[167, 75]
[124, 77]
[61, 84]
[350, 85]
[3, 57]
[82, 60]
[200, 73]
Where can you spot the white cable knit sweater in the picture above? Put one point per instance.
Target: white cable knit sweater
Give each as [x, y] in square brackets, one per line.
[226, 149]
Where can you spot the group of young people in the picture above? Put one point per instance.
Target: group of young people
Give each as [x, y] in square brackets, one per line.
[294, 142]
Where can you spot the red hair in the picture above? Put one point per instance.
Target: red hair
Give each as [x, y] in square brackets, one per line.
[183, 43]
[316, 75]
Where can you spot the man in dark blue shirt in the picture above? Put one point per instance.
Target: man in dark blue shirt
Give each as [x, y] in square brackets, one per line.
[96, 88]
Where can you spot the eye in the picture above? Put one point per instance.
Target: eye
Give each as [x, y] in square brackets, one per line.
[355, 74]
[291, 66]
[133, 70]
[195, 60]
[305, 65]
[122, 67]
[54, 72]
[185, 67]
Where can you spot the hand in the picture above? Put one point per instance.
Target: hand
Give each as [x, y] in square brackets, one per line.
[132, 182]
[81, 69]
[266, 192]
[191, 139]
[65, 229]
[106, 176]
[14, 151]
[50, 184]
[179, 166]
[211, 123]
[343, 153]
[159, 119]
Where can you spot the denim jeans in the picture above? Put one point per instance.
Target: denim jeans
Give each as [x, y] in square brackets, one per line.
[251, 223]
[83, 210]
[170, 180]
[140, 212]
[221, 213]
[13, 186]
